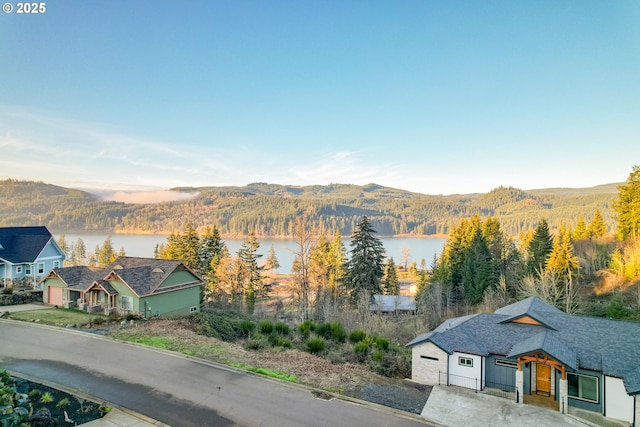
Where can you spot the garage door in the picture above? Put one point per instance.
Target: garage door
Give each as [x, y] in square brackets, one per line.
[55, 296]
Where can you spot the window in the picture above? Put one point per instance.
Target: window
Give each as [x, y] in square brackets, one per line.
[127, 303]
[430, 358]
[56, 264]
[41, 268]
[193, 309]
[27, 269]
[18, 269]
[583, 387]
[507, 363]
[465, 361]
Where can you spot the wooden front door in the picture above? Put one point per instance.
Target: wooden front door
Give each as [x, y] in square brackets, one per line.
[543, 379]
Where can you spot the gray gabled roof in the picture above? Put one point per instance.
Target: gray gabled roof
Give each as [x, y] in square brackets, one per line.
[78, 277]
[592, 343]
[548, 343]
[22, 244]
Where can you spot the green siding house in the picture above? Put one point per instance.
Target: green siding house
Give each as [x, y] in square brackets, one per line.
[147, 286]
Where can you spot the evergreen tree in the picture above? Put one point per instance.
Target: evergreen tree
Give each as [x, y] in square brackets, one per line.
[581, 230]
[561, 260]
[365, 268]
[539, 248]
[391, 278]
[597, 226]
[105, 254]
[627, 206]
[251, 276]
[190, 248]
[210, 252]
[64, 246]
[477, 269]
[272, 262]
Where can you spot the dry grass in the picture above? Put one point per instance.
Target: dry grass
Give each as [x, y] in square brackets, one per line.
[310, 370]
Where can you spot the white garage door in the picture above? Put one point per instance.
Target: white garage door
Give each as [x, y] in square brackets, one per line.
[55, 296]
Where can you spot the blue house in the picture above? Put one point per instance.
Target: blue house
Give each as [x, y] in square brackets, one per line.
[532, 348]
[27, 254]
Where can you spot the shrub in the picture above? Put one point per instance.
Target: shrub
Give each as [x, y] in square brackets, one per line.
[357, 336]
[283, 342]
[378, 355]
[64, 403]
[98, 321]
[247, 327]
[361, 349]
[324, 330]
[382, 343]
[5, 378]
[46, 398]
[306, 327]
[132, 316]
[315, 345]
[34, 394]
[282, 328]
[258, 342]
[266, 326]
[338, 332]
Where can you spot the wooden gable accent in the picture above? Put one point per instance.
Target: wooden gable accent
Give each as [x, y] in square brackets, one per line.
[527, 320]
[544, 359]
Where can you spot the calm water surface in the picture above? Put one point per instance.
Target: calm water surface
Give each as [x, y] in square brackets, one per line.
[142, 245]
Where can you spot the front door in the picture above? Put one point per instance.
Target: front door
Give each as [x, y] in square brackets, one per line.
[543, 379]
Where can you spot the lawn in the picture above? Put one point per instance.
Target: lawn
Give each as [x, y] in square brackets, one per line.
[57, 316]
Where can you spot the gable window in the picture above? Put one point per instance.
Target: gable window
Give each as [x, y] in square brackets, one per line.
[127, 303]
[465, 361]
[56, 264]
[583, 387]
[27, 269]
[41, 268]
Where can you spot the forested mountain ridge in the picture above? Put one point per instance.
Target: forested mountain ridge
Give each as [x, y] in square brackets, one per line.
[270, 209]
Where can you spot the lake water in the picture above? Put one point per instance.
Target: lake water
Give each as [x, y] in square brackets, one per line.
[142, 245]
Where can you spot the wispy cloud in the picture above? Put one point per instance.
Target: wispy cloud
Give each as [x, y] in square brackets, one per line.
[350, 167]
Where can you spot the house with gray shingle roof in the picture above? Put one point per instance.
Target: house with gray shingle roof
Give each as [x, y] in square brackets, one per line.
[27, 254]
[147, 286]
[533, 348]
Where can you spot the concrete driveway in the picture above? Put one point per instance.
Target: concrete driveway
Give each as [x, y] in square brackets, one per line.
[22, 307]
[453, 406]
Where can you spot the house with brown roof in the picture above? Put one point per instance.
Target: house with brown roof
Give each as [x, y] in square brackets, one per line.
[533, 350]
[147, 286]
[27, 254]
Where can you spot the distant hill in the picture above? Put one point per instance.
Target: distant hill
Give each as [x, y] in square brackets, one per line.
[270, 209]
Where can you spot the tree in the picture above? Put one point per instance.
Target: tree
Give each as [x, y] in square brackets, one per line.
[301, 265]
[391, 278]
[561, 260]
[327, 268]
[627, 206]
[210, 252]
[365, 268]
[597, 227]
[581, 231]
[105, 254]
[539, 247]
[477, 269]
[78, 253]
[64, 246]
[251, 272]
[406, 256]
[272, 262]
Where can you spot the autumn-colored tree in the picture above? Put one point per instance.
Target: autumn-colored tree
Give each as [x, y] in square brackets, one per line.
[597, 227]
[581, 230]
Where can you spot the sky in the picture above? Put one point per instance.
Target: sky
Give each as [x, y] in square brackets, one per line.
[436, 97]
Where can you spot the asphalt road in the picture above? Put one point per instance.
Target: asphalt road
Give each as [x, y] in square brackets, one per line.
[173, 389]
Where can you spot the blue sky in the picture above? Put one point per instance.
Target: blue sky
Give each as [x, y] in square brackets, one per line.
[438, 97]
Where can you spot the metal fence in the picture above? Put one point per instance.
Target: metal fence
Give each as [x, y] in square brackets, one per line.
[506, 391]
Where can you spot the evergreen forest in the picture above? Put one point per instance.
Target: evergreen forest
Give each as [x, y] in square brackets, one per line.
[270, 210]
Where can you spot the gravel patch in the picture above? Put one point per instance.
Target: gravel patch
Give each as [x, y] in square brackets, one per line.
[409, 398]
